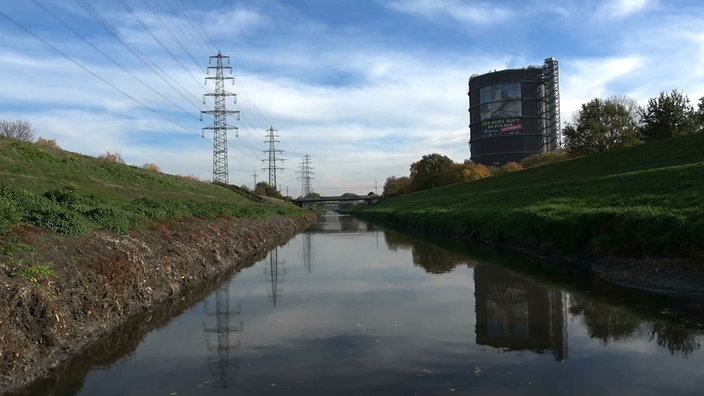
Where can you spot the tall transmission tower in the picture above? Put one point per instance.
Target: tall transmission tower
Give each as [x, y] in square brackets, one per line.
[220, 113]
[271, 139]
[306, 172]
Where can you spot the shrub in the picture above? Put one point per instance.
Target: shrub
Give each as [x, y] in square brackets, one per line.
[152, 167]
[34, 272]
[544, 159]
[112, 157]
[47, 143]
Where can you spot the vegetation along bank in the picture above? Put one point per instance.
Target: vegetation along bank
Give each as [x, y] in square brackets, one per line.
[625, 212]
[86, 243]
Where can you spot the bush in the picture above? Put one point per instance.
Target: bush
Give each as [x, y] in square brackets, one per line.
[151, 167]
[112, 157]
[541, 159]
[48, 143]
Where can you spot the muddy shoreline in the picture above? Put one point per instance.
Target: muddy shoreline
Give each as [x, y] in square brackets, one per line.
[102, 280]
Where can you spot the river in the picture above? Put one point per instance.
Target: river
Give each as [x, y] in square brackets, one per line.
[347, 308]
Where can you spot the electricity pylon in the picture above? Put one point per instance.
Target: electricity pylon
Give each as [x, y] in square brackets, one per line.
[306, 172]
[271, 136]
[219, 113]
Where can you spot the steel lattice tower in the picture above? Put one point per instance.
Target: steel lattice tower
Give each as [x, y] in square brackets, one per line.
[219, 113]
[271, 136]
[306, 172]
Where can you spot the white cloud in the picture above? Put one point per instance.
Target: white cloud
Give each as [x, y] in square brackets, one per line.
[485, 13]
[584, 79]
[618, 9]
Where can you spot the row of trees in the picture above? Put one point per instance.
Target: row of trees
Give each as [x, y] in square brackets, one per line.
[436, 170]
[617, 122]
[600, 125]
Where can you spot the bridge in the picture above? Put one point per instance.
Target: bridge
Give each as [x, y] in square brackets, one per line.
[370, 199]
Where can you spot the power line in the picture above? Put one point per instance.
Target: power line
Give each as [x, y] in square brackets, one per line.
[161, 43]
[85, 68]
[108, 57]
[167, 27]
[133, 50]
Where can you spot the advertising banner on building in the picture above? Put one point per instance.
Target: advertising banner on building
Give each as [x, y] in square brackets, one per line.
[500, 109]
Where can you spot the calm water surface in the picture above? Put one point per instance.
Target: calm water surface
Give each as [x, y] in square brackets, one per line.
[347, 309]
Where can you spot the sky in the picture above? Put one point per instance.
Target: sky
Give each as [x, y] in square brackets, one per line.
[364, 87]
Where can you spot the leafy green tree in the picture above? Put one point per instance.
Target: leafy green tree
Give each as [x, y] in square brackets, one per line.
[430, 172]
[396, 186]
[700, 115]
[264, 189]
[602, 125]
[668, 115]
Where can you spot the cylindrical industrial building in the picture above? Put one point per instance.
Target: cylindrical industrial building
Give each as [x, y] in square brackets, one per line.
[514, 113]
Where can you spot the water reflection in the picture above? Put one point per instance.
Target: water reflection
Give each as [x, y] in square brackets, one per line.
[384, 314]
[514, 313]
[609, 323]
[222, 365]
[307, 253]
[274, 274]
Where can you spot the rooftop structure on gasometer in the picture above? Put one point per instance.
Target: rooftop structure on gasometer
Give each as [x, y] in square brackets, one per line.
[514, 113]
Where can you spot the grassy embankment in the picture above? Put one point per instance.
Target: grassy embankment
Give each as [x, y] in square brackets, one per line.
[71, 193]
[647, 200]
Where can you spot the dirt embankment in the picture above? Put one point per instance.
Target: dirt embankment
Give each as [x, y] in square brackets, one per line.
[100, 280]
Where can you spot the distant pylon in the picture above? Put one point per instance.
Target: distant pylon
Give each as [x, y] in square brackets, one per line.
[271, 161]
[306, 172]
[219, 113]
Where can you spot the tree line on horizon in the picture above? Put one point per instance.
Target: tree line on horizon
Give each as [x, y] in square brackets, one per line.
[599, 125]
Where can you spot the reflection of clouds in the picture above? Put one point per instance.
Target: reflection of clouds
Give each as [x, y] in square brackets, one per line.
[367, 321]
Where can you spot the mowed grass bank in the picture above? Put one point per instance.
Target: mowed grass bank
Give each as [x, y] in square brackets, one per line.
[70, 193]
[647, 200]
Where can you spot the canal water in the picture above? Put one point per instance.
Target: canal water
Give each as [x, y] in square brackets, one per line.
[347, 308]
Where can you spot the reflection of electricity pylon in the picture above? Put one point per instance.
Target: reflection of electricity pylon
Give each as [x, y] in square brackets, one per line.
[274, 275]
[220, 366]
[307, 253]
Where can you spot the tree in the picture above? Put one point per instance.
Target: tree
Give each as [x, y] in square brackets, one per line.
[396, 186]
[20, 129]
[668, 115]
[602, 125]
[264, 189]
[700, 115]
[430, 172]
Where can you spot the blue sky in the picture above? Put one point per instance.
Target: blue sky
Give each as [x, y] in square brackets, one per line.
[365, 87]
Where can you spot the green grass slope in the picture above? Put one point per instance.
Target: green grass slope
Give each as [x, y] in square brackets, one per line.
[69, 193]
[645, 200]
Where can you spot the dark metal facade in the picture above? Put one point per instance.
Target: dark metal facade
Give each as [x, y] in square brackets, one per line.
[512, 114]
